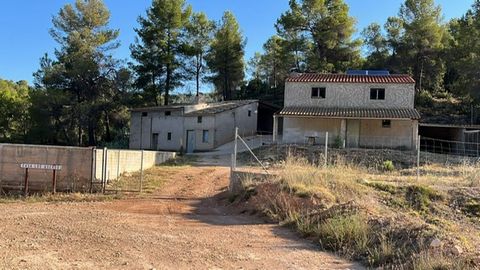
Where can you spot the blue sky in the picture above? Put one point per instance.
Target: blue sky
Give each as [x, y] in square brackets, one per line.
[24, 24]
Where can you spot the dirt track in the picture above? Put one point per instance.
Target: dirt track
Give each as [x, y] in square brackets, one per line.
[186, 225]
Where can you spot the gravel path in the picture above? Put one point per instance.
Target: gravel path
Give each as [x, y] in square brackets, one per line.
[186, 225]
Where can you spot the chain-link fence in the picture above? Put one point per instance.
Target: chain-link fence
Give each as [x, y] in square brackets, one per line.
[417, 159]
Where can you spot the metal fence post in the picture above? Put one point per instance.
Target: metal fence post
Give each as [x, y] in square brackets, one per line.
[105, 168]
[418, 158]
[235, 149]
[118, 164]
[94, 168]
[326, 149]
[141, 173]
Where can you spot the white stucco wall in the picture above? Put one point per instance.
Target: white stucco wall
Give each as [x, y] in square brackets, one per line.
[208, 123]
[221, 127]
[156, 122]
[226, 122]
[350, 95]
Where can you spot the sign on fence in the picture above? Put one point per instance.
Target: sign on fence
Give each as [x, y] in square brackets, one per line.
[41, 166]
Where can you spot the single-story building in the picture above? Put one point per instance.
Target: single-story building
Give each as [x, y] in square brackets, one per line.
[192, 127]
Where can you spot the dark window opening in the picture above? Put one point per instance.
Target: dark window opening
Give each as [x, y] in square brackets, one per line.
[249, 113]
[169, 136]
[144, 114]
[318, 92]
[199, 119]
[168, 113]
[377, 93]
[386, 123]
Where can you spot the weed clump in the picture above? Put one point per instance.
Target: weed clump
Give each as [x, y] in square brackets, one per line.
[388, 166]
[348, 235]
[420, 197]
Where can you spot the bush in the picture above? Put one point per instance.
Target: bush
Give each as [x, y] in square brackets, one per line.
[347, 234]
[388, 166]
[424, 99]
[420, 197]
[338, 142]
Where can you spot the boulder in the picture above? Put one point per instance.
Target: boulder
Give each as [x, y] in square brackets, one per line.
[436, 243]
[457, 250]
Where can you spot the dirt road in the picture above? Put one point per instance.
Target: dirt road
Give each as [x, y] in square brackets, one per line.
[185, 225]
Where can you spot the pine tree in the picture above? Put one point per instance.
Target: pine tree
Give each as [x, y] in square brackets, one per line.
[330, 29]
[83, 68]
[225, 59]
[198, 37]
[159, 50]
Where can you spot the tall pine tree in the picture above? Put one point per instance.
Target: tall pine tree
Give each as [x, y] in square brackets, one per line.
[329, 28]
[160, 49]
[226, 57]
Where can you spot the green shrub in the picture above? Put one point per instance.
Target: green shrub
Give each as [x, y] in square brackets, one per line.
[424, 99]
[420, 197]
[383, 187]
[348, 235]
[388, 166]
[338, 142]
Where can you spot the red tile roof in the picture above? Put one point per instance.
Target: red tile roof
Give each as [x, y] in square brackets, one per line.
[358, 113]
[344, 78]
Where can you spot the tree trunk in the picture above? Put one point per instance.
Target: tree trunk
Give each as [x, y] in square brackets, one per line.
[167, 85]
[79, 135]
[108, 136]
[91, 133]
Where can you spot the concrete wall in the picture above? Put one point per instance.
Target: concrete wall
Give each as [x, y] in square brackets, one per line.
[226, 122]
[76, 165]
[208, 123]
[401, 134]
[295, 130]
[221, 127]
[350, 95]
[159, 123]
[126, 161]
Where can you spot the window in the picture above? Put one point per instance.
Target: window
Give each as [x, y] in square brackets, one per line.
[199, 119]
[169, 136]
[249, 113]
[144, 114]
[377, 93]
[386, 123]
[205, 136]
[168, 113]
[318, 92]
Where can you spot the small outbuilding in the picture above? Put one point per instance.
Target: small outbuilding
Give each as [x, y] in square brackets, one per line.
[192, 127]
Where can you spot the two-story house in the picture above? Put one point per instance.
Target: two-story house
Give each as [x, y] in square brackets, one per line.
[356, 110]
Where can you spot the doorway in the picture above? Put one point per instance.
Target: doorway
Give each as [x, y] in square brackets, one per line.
[155, 141]
[353, 133]
[190, 141]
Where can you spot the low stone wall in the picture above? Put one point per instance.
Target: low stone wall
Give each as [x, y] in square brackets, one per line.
[119, 162]
[75, 174]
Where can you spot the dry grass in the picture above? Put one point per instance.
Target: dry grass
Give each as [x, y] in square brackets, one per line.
[153, 179]
[334, 185]
[395, 215]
